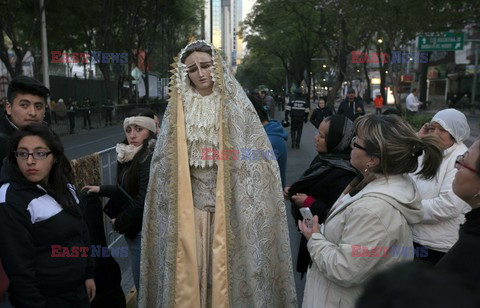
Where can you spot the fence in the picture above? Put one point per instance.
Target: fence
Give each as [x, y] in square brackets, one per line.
[97, 117]
[100, 169]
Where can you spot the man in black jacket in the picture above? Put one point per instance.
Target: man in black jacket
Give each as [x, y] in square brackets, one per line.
[26, 103]
[351, 107]
[298, 110]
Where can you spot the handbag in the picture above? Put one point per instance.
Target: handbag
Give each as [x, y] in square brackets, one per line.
[117, 203]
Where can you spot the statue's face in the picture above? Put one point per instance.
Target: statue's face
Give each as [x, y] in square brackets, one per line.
[199, 67]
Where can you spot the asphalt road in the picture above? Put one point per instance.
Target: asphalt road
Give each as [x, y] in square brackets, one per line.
[90, 141]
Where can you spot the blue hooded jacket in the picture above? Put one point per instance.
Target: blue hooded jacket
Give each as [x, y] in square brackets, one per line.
[278, 137]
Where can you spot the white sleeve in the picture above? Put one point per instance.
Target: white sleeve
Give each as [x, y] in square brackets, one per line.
[338, 262]
[446, 205]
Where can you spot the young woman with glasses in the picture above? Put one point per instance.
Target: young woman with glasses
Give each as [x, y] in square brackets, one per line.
[44, 243]
[370, 218]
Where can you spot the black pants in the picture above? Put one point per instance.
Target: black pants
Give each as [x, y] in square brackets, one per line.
[71, 120]
[433, 256]
[296, 132]
[86, 119]
[76, 298]
[108, 117]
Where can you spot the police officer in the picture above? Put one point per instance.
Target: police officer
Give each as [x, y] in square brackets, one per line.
[298, 110]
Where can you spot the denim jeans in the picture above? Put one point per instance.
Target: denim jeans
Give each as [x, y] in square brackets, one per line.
[134, 251]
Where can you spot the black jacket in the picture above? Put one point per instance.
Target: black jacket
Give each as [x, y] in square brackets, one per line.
[129, 222]
[463, 257]
[351, 110]
[297, 108]
[319, 114]
[325, 189]
[6, 131]
[31, 222]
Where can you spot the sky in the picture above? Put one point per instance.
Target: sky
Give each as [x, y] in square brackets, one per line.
[247, 6]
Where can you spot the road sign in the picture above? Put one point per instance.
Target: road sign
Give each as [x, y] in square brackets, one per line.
[441, 42]
[136, 73]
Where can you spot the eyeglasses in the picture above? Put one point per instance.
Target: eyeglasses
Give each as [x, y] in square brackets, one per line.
[39, 155]
[459, 161]
[353, 144]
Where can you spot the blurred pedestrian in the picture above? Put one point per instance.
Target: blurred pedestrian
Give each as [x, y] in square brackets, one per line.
[371, 216]
[378, 103]
[269, 103]
[60, 110]
[351, 107]
[71, 111]
[278, 138]
[215, 232]
[86, 108]
[462, 258]
[108, 109]
[53, 104]
[412, 103]
[444, 210]
[134, 154]
[26, 103]
[44, 243]
[327, 176]
[298, 110]
[321, 112]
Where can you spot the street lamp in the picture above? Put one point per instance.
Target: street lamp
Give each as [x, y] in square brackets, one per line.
[380, 41]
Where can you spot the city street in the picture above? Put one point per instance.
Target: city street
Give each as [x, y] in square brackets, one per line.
[87, 142]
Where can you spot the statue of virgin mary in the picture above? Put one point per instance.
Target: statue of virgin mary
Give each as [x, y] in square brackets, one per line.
[215, 230]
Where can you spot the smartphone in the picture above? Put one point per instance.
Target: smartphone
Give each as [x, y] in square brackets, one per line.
[307, 216]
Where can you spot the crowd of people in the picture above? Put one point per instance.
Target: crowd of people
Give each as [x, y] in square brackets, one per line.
[211, 231]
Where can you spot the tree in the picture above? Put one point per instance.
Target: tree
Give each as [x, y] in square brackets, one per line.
[19, 23]
[275, 28]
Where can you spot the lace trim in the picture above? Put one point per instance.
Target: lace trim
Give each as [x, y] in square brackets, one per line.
[201, 125]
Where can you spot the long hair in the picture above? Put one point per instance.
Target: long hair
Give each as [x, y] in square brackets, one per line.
[130, 178]
[61, 173]
[397, 145]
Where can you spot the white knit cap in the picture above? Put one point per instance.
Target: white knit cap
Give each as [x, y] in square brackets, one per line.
[454, 122]
[142, 121]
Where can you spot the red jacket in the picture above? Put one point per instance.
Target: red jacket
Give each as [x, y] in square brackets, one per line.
[378, 102]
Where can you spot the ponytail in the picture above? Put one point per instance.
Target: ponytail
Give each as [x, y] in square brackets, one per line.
[432, 158]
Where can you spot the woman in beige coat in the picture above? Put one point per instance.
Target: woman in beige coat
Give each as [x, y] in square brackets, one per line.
[368, 228]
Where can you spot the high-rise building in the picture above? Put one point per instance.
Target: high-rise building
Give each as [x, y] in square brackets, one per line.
[222, 20]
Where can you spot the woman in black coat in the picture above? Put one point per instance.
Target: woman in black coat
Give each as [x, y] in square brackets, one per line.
[462, 258]
[328, 175]
[320, 113]
[134, 155]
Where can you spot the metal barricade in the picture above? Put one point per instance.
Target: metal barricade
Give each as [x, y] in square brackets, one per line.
[108, 173]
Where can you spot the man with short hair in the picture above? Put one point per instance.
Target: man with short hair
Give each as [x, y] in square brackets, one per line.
[268, 102]
[26, 103]
[412, 103]
[351, 107]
